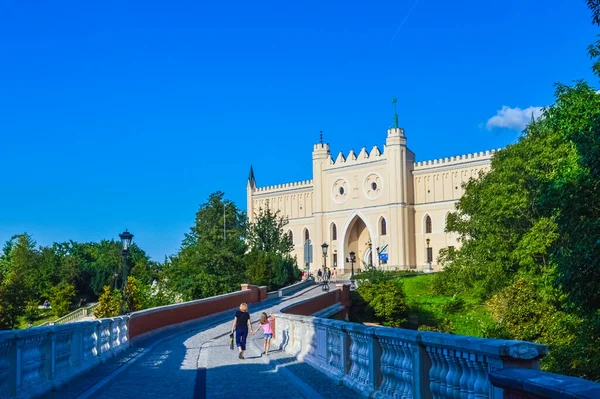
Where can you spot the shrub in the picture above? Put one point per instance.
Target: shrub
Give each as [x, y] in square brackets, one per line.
[361, 311]
[136, 294]
[61, 298]
[520, 310]
[109, 303]
[271, 269]
[285, 272]
[387, 300]
[454, 305]
[32, 312]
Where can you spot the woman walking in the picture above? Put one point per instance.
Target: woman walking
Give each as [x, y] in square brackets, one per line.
[241, 325]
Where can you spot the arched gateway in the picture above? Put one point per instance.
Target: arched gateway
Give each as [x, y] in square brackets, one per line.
[356, 236]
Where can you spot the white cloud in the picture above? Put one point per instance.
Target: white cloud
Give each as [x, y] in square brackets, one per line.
[513, 118]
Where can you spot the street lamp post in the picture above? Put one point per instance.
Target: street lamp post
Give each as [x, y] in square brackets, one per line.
[324, 247]
[126, 238]
[428, 260]
[352, 259]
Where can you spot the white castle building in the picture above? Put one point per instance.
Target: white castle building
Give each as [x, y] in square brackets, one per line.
[383, 206]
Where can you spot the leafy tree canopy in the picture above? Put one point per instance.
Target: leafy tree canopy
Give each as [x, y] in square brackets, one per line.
[210, 261]
[266, 233]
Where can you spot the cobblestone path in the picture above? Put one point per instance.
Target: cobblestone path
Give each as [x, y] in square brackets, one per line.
[196, 363]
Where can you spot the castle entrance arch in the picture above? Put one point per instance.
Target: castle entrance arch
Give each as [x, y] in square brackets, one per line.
[356, 236]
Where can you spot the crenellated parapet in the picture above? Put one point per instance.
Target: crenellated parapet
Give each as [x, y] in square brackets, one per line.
[477, 156]
[285, 186]
[352, 158]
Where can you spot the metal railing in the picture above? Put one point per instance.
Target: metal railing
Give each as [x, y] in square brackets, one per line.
[74, 315]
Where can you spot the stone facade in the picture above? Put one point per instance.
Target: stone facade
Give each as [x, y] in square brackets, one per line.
[372, 203]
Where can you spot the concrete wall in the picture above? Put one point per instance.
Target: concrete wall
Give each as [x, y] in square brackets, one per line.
[146, 321]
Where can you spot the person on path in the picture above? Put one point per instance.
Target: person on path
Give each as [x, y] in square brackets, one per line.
[265, 323]
[319, 274]
[334, 275]
[241, 325]
[328, 274]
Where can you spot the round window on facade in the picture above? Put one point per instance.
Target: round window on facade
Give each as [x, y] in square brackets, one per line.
[374, 186]
[341, 190]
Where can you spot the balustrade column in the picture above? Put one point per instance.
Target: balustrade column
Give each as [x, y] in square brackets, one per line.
[77, 348]
[49, 357]
[363, 374]
[8, 373]
[421, 365]
[374, 361]
[345, 351]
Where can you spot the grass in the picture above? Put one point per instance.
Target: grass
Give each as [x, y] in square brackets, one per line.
[43, 316]
[462, 315]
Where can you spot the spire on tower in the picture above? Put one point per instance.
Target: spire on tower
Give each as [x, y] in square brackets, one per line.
[395, 114]
[320, 137]
[251, 179]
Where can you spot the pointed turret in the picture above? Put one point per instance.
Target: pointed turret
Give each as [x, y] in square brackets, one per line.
[251, 179]
[250, 189]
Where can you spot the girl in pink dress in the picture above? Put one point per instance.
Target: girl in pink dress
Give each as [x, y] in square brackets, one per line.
[265, 323]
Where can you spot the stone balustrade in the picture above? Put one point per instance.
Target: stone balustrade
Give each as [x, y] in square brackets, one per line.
[534, 384]
[385, 362]
[36, 360]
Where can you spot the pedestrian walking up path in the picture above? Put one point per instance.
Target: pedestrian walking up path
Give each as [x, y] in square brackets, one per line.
[196, 362]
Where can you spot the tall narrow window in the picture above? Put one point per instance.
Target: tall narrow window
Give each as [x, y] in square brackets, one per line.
[333, 232]
[383, 227]
[427, 224]
[334, 260]
[291, 236]
[306, 235]
[429, 255]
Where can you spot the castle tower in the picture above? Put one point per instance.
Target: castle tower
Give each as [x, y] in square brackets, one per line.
[400, 164]
[250, 188]
[320, 159]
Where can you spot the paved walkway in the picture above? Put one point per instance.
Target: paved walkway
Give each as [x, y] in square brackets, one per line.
[196, 363]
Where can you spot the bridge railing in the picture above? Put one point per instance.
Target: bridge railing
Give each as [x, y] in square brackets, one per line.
[35, 360]
[398, 363]
[74, 315]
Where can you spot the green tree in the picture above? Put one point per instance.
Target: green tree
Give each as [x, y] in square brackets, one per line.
[14, 295]
[266, 233]
[61, 299]
[529, 230]
[210, 261]
[594, 49]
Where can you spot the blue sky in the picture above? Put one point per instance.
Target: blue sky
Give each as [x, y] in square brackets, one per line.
[128, 114]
